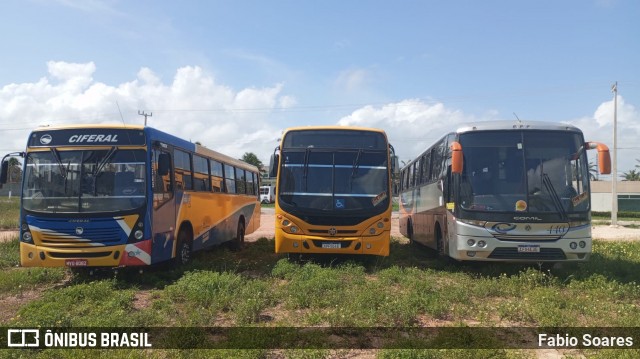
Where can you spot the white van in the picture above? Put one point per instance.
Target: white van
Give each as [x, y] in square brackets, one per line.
[267, 194]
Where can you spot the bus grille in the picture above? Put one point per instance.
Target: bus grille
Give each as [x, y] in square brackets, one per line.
[339, 231]
[106, 236]
[531, 238]
[79, 255]
[512, 253]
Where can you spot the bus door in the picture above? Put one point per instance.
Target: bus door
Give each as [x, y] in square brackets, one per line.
[164, 206]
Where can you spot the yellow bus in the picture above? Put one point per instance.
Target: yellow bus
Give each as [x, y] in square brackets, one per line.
[116, 195]
[333, 190]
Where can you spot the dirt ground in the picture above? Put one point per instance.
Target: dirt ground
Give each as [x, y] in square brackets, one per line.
[605, 232]
[267, 229]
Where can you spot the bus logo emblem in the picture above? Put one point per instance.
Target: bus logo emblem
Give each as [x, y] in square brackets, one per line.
[46, 139]
[79, 231]
[332, 231]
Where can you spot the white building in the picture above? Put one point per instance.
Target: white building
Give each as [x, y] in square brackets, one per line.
[628, 196]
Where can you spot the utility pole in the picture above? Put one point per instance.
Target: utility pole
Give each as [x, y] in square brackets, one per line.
[141, 113]
[614, 170]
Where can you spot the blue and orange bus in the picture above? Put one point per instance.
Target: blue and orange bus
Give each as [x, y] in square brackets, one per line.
[116, 195]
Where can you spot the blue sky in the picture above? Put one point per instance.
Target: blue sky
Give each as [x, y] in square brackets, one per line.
[234, 74]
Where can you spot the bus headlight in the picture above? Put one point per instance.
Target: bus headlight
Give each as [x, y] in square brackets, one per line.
[471, 242]
[27, 237]
[482, 244]
[380, 225]
[372, 231]
[293, 229]
[286, 222]
[582, 244]
[138, 234]
[473, 222]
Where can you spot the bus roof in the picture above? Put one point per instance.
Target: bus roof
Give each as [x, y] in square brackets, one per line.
[516, 125]
[226, 159]
[187, 145]
[334, 127]
[82, 125]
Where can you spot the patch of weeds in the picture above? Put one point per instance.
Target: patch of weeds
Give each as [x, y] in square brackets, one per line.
[94, 304]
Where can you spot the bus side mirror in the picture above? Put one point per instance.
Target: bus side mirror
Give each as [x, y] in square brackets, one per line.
[5, 172]
[456, 158]
[164, 164]
[604, 158]
[396, 165]
[273, 165]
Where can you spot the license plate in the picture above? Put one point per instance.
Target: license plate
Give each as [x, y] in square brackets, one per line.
[531, 248]
[76, 262]
[331, 245]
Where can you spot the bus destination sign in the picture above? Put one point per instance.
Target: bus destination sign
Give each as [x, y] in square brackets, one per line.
[87, 137]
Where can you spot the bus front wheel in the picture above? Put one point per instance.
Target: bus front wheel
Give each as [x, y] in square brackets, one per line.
[183, 253]
[440, 243]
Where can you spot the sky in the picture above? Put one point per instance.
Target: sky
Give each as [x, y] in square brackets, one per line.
[234, 74]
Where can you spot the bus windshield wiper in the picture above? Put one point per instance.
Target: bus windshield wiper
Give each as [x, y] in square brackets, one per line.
[356, 165]
[554, 195]
[305, 167]
[64, 171]
[56, 155]
[104, 161]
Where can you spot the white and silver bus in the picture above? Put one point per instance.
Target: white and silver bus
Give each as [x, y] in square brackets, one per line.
[503, 191]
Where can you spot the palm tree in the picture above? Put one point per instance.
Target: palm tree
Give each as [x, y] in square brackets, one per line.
[631, 175]
[15, 173]
[593, 172]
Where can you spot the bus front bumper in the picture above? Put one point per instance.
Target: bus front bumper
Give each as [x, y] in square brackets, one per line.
[138, 254]
[562, 250]
[306, 244]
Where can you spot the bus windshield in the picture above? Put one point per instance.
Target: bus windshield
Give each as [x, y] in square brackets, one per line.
[335, 171]
[86, 181]
[524, 171]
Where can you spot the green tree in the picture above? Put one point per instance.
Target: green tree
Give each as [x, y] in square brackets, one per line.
[252, 159]
[15, 172]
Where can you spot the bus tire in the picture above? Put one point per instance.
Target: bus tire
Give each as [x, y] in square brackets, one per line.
[238, 241]
[440, 242]
[410, 233]
[184, 250]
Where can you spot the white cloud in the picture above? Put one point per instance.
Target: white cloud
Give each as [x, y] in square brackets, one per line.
[411, 125]
[600, 128]
[353, 79]
[193, 106]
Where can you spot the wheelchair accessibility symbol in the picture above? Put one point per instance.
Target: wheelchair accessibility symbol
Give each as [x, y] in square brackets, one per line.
[339, 203]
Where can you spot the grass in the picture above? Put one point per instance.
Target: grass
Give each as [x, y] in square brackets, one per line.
[255, 288]
[409, 289]
[9, 213]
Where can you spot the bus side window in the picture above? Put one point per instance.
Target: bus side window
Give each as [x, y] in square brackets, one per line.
[216, 176]
[162, 169]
